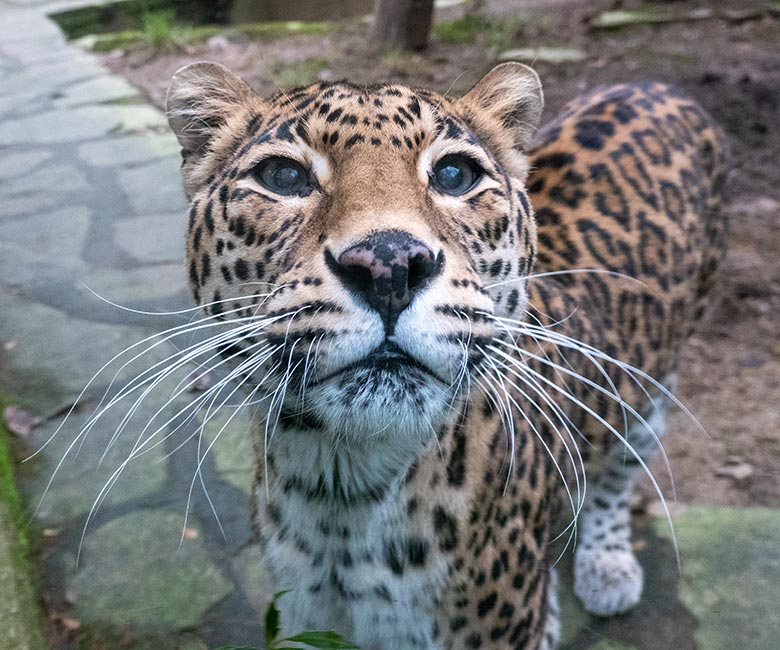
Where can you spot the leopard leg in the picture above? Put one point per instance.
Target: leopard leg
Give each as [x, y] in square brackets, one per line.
[607, 577]
[552, 625]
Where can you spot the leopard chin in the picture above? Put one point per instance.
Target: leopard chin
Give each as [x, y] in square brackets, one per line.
[383, 396]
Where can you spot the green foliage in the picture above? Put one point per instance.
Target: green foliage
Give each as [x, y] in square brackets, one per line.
[272, 619]
[159, 29]
[180, 35]
[323, 640]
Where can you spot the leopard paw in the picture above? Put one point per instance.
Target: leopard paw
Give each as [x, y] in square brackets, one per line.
[608, 582]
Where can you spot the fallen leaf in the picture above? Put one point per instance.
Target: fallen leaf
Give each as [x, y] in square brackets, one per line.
[18, 421]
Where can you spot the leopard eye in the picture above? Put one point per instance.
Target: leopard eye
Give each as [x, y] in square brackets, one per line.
[455, 174]
[281, 175]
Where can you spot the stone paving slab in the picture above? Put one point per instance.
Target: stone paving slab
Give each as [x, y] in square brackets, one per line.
[725, 598]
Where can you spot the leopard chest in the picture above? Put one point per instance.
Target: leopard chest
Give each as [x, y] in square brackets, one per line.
[353, 557]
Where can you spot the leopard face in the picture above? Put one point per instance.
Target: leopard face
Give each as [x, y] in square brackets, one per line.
[370, 231]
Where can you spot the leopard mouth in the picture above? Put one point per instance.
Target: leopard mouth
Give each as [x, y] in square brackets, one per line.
[388, 356]
[387, 359]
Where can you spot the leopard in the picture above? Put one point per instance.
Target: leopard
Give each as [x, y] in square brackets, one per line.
[456, 333]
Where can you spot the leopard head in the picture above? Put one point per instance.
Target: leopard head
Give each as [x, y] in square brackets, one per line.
[358, 241]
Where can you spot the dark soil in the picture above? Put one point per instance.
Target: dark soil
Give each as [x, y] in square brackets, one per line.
[730, 371]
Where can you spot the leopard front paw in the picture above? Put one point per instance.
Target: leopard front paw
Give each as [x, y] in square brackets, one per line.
[608, 582]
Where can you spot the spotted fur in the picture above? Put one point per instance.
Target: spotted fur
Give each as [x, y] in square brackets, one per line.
[423, 420]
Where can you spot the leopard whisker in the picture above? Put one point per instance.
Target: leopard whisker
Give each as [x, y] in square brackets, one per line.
[274, 412]
[221, 342]
[592, 354]
[640, 461]
[166, 335]
[79, 438]
[187, 310]
[504, 412]
[141, 446]
[615, 396]
[547, 274]
[153, 381]
[197, 404]
[581, 489]
[567, 341]
[198, 474]
[588, 353]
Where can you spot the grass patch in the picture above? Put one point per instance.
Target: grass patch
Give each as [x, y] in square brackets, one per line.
[158, 33]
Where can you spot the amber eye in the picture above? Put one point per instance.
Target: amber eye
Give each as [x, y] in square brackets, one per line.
[455, 174]
[281, 175]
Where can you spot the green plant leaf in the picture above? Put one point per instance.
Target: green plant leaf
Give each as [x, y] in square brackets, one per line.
[237, 647]
[327, 640]
[272, 623]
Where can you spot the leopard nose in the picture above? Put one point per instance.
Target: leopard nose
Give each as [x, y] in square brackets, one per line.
[387, 270]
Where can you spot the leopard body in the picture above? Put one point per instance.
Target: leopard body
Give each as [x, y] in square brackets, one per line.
[408, 497]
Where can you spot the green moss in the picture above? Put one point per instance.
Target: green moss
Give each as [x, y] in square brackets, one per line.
[460, 30]
[504, 34]
[731, 572]
[9, 496]
[496, 34]
[107, 16]
[166, 24]
[21, 622]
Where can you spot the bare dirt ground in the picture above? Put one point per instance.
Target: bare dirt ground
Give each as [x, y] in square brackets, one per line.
[730, 371]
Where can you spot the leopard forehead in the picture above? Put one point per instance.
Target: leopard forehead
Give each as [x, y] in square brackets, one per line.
[343, 115]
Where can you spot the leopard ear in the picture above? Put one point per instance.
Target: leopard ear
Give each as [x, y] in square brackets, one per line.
[201, 98]
[504, 107]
